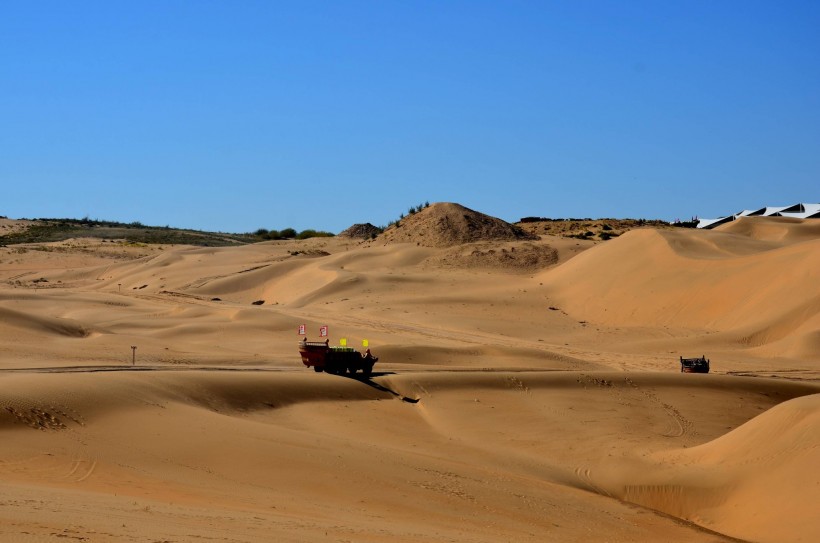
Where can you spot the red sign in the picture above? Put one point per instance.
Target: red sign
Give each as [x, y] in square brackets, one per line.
[301, 329]
[323, 331]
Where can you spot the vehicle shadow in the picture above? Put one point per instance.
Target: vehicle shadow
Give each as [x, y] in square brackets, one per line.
[371, 383]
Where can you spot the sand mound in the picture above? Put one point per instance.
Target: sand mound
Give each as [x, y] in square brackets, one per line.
[11, 226]
[514, 257]
[761, 295]
[448, 224]
[361, 231]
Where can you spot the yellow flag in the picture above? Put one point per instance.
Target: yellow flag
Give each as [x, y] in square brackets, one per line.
[365, 343]
[343, 342]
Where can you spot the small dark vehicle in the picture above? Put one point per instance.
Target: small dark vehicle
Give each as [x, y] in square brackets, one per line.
[694, 365]
[336, 360]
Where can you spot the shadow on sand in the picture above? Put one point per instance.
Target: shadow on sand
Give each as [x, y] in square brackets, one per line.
[371, 383]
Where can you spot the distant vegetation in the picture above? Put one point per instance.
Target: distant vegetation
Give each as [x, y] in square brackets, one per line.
[290, 233]
[51, 230]
[686, 224]
[305, 234]
[636, 222]
[591, 229]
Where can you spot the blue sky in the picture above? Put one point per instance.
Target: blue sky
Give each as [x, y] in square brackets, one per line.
[231, 116]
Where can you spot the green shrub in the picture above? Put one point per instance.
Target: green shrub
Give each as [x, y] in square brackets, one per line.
[305, 234]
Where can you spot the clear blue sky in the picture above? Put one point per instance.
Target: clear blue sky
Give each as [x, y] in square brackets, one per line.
[237, 115]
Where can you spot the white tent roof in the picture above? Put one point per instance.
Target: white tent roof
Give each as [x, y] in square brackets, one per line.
[711, 223]
[806, 211]
[796, 211]
[768, 211]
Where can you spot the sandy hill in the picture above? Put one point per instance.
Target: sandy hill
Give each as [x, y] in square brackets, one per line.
[361, 231]
[448, 224]
[761, 292]
[11, 226]
[751, 468]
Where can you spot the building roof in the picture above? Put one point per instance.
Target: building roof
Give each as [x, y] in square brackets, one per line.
[804, 211]
[795, 211]
[768, 211]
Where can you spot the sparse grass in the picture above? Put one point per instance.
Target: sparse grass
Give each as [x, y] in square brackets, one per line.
[136, 234]
[51, 230]
[416, 209]
[411, 211]
[588, 229]
[306, 234]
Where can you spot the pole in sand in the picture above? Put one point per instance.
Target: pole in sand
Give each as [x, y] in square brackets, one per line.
[133, 354]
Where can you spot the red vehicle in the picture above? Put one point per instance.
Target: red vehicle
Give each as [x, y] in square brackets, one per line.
[336, 360]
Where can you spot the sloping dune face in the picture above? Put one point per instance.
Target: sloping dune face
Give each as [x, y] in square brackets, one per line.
[527, 389]
[767, 465]
[776, 229]
[762, 291]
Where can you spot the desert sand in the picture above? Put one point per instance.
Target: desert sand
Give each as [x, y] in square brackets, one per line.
[528, 387]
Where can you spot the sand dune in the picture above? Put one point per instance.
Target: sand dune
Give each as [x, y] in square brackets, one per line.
[757, 292]
[756, 467]
[528, 389]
